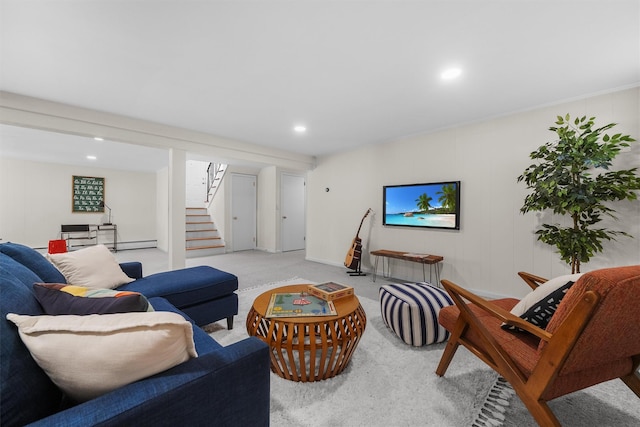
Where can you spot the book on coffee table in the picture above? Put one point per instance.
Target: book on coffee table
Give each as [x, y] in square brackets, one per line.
[330, 291]
[296, 304]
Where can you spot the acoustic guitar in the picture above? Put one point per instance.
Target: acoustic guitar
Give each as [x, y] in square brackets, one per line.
[352, 260]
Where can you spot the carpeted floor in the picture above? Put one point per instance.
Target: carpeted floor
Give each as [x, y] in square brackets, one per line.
[412, 391]
[389, 383]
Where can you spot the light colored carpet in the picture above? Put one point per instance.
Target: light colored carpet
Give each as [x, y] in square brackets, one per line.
[608, 404]
[389, 383]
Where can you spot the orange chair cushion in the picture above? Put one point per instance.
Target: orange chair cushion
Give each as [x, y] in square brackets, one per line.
[521, 346]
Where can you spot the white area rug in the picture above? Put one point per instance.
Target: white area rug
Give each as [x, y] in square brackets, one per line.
[387, 382]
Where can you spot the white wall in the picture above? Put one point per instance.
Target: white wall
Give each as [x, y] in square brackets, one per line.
[35, 199]
[495, 241]
[162, 208]
[267, 209]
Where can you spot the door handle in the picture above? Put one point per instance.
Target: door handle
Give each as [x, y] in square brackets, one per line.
[284, 217]
[235, 217]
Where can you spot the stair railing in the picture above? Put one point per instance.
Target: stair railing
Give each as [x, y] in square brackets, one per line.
[215, 173]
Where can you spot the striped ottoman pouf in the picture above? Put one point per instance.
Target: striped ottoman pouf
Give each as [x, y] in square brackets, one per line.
[411, 311]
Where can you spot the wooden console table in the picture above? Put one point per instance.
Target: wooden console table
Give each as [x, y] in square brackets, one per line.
[432, 260]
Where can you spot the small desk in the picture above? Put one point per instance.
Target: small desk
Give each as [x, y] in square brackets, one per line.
[108, 229]
[89, 235]
[432, 260]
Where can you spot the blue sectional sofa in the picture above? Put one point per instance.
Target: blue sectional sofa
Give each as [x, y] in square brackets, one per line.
[223, 386]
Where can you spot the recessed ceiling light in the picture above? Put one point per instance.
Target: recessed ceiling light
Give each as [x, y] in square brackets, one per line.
[300, 129]
[97, 138]
[451, 73]
[91, 157]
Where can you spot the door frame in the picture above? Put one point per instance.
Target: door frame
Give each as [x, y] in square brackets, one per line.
[304, 211]
[254, 211]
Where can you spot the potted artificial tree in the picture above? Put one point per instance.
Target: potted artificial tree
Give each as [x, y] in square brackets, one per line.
[573, 178]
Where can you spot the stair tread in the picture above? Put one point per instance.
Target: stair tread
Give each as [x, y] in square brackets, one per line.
[200, 221]
[205, 247]
[203, 238]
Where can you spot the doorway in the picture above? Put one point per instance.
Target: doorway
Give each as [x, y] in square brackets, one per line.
[196, 183]
[292, 209]
[243, 212]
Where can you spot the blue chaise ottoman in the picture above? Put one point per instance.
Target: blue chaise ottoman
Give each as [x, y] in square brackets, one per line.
[204, 293]
[411, 311]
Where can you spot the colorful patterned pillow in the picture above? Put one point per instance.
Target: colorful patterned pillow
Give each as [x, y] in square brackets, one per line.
[58, 299]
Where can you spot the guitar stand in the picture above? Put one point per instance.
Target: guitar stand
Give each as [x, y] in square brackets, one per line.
[356, 272]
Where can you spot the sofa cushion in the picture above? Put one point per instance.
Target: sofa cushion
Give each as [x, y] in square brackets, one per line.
[34, 261]
[87, 356]
[93, 267]
[22, 383]
[204, 342]
[19, 271]
[58, 298]
[186, 286]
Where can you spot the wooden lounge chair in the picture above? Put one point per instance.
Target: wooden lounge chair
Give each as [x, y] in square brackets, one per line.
[593, 337]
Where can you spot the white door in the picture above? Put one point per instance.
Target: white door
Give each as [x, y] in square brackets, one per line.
[196, 183]
[292, 209]
[243, 212]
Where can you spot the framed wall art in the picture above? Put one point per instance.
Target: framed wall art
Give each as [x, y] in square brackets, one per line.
[87, 194]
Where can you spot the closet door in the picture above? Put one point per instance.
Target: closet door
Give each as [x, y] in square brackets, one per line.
[243, 212]
[292, 207]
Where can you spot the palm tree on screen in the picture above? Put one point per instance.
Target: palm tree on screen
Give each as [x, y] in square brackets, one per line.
[424, 202]
[448, 197]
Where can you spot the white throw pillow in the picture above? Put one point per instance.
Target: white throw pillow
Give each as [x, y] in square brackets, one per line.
[93, 267]
[87, 356]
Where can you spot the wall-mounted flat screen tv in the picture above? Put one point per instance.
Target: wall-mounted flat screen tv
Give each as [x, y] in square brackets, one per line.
[430, 205]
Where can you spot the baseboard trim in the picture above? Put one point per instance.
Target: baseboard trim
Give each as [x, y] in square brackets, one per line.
[137, 244]
[122, 246]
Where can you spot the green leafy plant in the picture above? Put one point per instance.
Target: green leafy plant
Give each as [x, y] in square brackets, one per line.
[572, 178]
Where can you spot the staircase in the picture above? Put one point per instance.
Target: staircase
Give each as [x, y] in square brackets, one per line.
[202, 237]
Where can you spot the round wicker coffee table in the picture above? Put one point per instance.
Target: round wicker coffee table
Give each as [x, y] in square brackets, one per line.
[305, 348]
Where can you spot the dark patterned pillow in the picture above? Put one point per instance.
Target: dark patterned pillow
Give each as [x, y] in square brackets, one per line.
[540, 313]
[538, 306]
[59, 299]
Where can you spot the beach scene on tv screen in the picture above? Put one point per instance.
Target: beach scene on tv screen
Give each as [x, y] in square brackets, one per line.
[428, 205]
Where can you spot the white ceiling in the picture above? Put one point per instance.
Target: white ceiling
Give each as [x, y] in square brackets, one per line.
[49, 147]
[353, 72]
